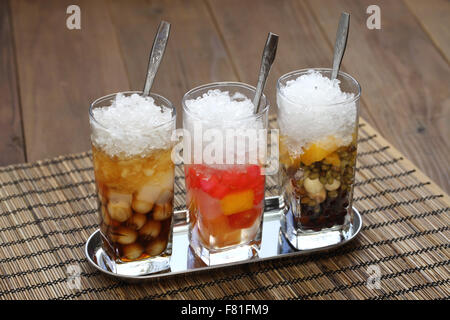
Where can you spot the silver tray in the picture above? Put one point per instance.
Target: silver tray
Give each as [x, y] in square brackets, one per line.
[183, 260]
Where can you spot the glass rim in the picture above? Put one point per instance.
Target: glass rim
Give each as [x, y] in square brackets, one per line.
[303, 71]
[151, 94]
[225, 83]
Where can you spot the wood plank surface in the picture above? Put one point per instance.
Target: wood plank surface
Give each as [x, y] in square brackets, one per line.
[195, 54]
[404, 80]
[62, 71]
[434, 16]
[11, 139]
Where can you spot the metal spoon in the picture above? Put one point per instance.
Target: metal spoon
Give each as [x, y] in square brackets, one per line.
[268, 57]
[341, 43]
[158, 48]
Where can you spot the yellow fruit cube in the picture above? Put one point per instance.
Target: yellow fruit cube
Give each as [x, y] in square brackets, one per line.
[333, 159]
[316, 152]
[237, 202]
[313, 153]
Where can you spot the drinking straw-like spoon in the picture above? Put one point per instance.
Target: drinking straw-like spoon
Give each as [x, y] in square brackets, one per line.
[268, 57]
[341, 43]
[158, 48]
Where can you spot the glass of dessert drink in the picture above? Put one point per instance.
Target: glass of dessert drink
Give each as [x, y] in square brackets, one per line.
[225, 187]
[134, 174]
[318, 121]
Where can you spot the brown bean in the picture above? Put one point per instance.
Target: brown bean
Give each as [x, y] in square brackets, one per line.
[141, 206]
[304, 200]
[151, 229]
[318, 197]
[333, 186]
[333, 194]
[164, 197]
[156, 247]
[124, 235]
[162, 212]
[306, 173]
[119, 211]
[133, 251]
[312, 186]
[137, 221]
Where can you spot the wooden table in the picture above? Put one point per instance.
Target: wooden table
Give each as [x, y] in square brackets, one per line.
[49, 74]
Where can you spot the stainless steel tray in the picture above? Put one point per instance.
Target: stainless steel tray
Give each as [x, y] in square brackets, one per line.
[273, 246]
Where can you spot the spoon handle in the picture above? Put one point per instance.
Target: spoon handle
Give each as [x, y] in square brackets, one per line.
[268, 57]
[158, 48]
[341, 42]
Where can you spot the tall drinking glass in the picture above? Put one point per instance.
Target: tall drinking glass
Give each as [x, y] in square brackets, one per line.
[318, 120]
[134, 176]
[224, 152]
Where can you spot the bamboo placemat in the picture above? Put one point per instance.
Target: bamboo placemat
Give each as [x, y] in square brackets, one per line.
[48, 210]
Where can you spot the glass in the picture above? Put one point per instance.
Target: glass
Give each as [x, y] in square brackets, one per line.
[317, 182]
[225, 199]
[135, 193]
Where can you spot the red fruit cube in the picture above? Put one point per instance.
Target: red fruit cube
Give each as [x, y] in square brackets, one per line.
[219, 191]
[243, 181]
[244, 219]
[253, 171]
[209, 185]
[230, 179]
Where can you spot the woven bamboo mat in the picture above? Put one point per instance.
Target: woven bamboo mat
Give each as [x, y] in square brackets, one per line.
[48, 210]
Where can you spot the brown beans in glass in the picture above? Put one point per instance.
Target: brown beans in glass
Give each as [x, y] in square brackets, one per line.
[321, 189]
[136, 203]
